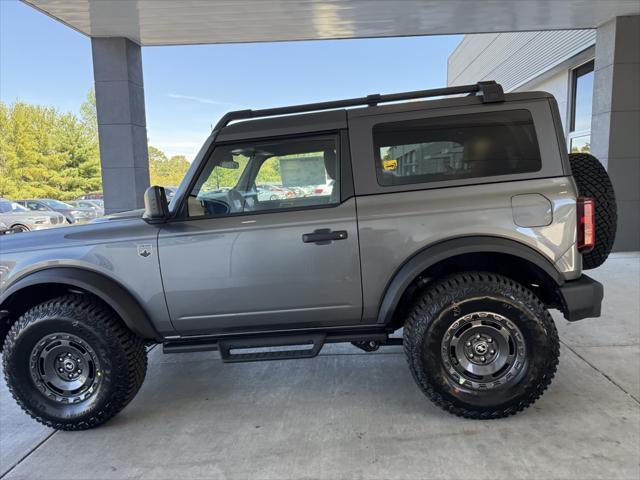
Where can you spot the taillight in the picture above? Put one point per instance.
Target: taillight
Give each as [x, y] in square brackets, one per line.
[318, 190]
[586, 208]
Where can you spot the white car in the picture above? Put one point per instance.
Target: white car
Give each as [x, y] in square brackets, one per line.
[95, 205]
[21, 219]
[326, 189]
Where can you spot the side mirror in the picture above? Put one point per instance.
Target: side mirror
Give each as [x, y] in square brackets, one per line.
[156, 207]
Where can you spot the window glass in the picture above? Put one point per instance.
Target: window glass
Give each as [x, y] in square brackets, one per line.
[35, 206]
[581, 106]
[5, 206]
[456, 147]
[581, 144]
[16, 207]
[582, 98]
[56, 204]
[271, 175]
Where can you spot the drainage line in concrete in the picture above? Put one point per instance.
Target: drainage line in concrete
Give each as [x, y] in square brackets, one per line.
[42, 442]
[28, 453]
[600, 372]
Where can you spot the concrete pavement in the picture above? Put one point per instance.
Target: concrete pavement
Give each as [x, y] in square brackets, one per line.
[348, 414]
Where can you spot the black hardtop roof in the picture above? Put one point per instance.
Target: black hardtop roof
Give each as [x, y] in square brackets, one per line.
[490, 91]
[325, 116]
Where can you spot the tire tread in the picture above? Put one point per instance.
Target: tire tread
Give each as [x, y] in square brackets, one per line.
[113, 330]
[421, 316]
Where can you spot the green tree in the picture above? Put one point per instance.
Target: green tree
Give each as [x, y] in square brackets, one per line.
[44, 153]
[164, 171]
[48, 154]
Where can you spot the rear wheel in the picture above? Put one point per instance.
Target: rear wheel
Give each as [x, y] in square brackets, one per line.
[71, 364]
[480, 345]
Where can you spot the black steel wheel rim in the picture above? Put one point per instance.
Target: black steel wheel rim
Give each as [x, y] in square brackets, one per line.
[483, 351]
[65, 368]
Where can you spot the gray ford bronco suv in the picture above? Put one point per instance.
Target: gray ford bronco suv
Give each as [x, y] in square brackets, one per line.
[461, 220]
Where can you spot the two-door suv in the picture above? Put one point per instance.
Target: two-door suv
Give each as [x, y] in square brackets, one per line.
[461, 220]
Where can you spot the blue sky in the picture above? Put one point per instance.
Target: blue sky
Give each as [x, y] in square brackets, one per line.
[187, 88]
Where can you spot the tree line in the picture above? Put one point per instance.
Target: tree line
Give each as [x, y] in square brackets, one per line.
[45, 153]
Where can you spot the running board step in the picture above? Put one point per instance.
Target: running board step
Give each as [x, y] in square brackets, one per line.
[315, 341]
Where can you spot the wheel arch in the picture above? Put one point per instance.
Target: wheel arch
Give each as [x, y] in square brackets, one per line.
[49, 283]
[18, 224]
[498, 255]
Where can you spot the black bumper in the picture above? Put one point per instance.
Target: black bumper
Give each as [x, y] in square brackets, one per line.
[581, 298]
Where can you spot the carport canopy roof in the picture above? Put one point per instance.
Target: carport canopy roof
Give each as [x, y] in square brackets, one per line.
[181, 22]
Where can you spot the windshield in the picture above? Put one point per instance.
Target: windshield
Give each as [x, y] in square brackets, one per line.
[56, 204]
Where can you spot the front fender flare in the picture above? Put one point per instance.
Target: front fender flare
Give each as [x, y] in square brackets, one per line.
[431, 255]
[103, 287]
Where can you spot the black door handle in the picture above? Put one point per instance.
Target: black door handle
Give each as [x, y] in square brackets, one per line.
[324, 236]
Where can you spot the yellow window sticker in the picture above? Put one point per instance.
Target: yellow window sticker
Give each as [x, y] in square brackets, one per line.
[390, 164]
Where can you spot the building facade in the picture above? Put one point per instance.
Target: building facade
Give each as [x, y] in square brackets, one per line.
[594, 75]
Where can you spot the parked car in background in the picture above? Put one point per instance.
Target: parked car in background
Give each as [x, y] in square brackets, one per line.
[324, 189]
[91, 196]
[96, 205]
[21, 219]
[170, 192]
[273, 192]
[71, 213]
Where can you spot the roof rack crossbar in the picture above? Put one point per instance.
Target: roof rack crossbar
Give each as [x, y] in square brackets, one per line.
[489, 90]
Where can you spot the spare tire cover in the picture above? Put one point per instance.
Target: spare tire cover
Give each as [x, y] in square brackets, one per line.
[593, 181]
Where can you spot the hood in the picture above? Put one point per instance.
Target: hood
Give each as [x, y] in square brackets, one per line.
[120, 216]
[115, 227]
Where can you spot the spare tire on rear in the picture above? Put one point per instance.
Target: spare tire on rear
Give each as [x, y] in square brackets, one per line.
[593, 181]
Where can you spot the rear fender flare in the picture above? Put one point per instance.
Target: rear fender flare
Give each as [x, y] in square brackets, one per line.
[444, 250]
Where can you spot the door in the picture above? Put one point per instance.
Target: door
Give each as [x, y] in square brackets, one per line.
[266, 241]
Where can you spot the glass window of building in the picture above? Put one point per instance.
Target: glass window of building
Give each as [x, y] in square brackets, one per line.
[581, 103]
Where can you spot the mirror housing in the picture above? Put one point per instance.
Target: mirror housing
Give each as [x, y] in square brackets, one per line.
[156, 207]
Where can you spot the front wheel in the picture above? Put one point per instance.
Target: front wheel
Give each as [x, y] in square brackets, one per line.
[20, 228]
[71, 364]
[480, 345]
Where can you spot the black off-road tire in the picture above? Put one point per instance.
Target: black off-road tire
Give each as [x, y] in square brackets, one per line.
[593, 181]
[119, 361]
[445, 305]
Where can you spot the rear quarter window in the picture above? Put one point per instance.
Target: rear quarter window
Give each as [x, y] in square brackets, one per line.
[456, 147]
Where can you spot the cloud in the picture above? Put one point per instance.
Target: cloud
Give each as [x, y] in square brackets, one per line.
[208, 101]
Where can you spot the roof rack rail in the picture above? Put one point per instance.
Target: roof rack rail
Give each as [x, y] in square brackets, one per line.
[490, 91]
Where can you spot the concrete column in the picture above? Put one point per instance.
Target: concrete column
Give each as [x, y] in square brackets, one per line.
[117, 71]
[615, 125]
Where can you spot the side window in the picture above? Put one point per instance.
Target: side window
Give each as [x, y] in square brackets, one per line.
[456, 147]
[35, 206]
[268, 175]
